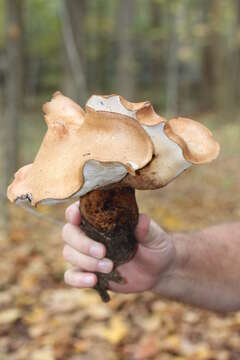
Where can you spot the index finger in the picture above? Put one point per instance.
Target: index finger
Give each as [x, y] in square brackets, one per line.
[72, 214]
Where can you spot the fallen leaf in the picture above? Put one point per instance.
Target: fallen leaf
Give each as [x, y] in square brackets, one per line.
[43, 354]
[148, 347]
[116, 330]
[81, 345]
[171, 343]
[113, 332]
[9, 316]
[36, 316]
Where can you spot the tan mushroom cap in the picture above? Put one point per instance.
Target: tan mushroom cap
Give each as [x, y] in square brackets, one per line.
[73, 138]
[178, 144]
[16, 186]
[165, 166]
[63, 108]
[114, 138]
[143, 112]
[195, 140]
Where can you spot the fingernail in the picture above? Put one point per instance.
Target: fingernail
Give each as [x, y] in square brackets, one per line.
[105, 265]
[88, 280]
[96, 251]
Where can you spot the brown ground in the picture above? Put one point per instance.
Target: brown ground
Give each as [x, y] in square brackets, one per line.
[42, 319]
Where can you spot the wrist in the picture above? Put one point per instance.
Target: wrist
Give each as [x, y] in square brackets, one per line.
[182, 247]
[171, 284]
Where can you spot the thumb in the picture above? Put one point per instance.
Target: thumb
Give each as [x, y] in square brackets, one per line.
[72, 214]
[150, 234]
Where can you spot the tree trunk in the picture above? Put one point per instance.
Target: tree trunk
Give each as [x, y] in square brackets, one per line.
[125, 82]
[219, 70]
[230, 80]
[157, 50]
[72, 17]
[237, 56]
[14, 94]
[213, 62]
[14, 80]
[175, 19]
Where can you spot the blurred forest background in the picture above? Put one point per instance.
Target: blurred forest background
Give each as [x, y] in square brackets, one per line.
[183, 56]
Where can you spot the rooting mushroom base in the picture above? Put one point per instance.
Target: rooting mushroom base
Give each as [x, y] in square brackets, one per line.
[110, 216]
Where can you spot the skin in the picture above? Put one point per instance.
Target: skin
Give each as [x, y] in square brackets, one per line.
[200, 269]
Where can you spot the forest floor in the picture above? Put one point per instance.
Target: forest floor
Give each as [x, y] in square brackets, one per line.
[43, 319]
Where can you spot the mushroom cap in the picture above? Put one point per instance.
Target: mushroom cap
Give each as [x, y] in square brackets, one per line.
[72, 140]
[178, 143]
[195, 140]
[143, 112]
[62, 108]
[113, 141]
[167, 163]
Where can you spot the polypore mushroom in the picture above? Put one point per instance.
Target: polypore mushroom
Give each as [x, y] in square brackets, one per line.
[102, 155]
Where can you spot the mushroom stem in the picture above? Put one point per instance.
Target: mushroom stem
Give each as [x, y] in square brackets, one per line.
[110, 216]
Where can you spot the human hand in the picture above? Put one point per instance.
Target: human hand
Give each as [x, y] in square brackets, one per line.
[154, 259]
